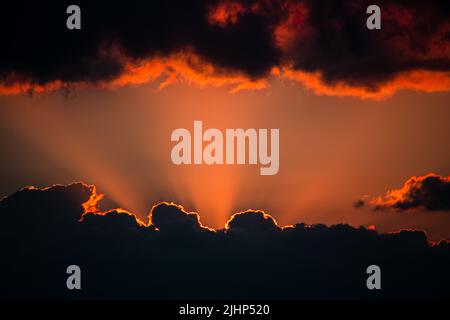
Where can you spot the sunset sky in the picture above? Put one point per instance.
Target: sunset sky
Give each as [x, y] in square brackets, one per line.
[359, 113]
[333, 150]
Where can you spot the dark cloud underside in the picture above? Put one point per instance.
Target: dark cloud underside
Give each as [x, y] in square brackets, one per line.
[176, 257]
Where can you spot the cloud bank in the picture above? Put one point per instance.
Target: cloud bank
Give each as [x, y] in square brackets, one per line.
[324, 45]
[172, 255]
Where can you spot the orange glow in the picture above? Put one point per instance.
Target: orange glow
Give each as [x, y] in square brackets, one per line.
[84, 159]
[212, 193]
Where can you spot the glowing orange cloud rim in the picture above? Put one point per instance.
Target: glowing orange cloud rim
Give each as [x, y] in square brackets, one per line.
[183, 67]
[400, 195]
[91, 206]
[418, 80]
[189, 68]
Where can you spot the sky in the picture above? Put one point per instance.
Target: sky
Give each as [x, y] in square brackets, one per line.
[333, 151]
[359, 112]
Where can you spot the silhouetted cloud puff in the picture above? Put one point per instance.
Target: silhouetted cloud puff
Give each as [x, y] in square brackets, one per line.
[252, 222]
[430, 192]
[169, 217]
[248, 38]
[359, 203]
[173, 256]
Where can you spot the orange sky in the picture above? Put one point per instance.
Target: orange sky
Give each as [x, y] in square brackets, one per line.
[333, 150]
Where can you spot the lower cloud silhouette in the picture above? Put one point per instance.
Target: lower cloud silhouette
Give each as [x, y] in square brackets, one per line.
[173, 256]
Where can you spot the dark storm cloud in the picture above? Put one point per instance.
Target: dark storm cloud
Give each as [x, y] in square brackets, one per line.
[430, 192]
[122, 257]
[413, 36]
[37, 45]
[250, 37]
